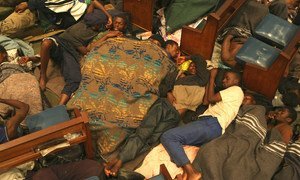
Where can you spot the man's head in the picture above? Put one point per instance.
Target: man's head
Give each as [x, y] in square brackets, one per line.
[231, 78]
[158, 40]
[192, 68]
[285, 115]
[119, 23]
[3, 54]
[172, 48]
[248, 99]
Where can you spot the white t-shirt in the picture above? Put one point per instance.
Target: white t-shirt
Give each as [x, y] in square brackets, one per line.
[226, 110]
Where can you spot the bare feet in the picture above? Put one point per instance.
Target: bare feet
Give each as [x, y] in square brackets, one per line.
[112, 168]
[191, 173]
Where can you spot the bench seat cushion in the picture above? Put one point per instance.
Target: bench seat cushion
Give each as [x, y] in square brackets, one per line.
[275, 31]
[258, 53]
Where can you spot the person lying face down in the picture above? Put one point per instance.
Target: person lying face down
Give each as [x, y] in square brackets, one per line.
[281, 119]
[67, 48]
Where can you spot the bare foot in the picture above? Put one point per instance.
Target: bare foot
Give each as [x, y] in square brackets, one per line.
[191, 172]
[194, 176]
[117, 167]
[113, 167]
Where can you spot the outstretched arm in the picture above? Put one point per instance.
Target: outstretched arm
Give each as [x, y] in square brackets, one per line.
[225, 53]
[96, 4]
[21, 112]
[111, 34]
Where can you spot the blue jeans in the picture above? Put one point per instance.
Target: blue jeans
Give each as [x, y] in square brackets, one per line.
[195, 133]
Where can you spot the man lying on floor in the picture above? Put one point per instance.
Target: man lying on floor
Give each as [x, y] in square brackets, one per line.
[210, 125]
[67, 49]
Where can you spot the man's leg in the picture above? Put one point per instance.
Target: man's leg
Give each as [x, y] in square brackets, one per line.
[194, 133]
[45, 56]
[160, 117]
[72, 75]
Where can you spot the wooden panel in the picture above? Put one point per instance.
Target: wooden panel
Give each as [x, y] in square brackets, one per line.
[24, 149]
[141, 12]
[201, 42]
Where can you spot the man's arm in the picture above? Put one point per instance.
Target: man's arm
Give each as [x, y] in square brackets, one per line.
[21, 7]
[225, 54]
[213, 97]
[83, 50]
[21, 112]
[111, 34]
[96, 4]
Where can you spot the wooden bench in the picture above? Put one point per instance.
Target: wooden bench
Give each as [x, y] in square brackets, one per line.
[24, 149]
[141, 12]
[266, 81]
[201, 42]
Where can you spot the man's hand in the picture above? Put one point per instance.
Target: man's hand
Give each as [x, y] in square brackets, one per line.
[112, 34]
[23, 60]
[21, 7]
[109, 22]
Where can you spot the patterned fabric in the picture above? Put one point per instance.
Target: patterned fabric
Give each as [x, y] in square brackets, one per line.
[120, 80]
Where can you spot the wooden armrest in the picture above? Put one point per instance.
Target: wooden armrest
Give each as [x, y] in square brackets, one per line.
[23, 149]
[292, 47]
[201, 42]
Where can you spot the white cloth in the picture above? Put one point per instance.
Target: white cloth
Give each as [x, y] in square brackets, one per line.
[75, 7]
[226, 110]
[158, 156]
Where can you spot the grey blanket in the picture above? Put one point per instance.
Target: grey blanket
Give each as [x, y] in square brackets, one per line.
[8, 69]
[241, 153]
[290, 168]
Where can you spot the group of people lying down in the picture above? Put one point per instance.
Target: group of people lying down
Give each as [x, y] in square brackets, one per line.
[162, 87]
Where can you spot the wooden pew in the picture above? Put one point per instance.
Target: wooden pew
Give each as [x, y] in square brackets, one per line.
[266, 81]
[24, 149]
[141, 12]
[201, 42]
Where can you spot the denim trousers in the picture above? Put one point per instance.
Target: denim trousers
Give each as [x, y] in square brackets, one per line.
[195, 133]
